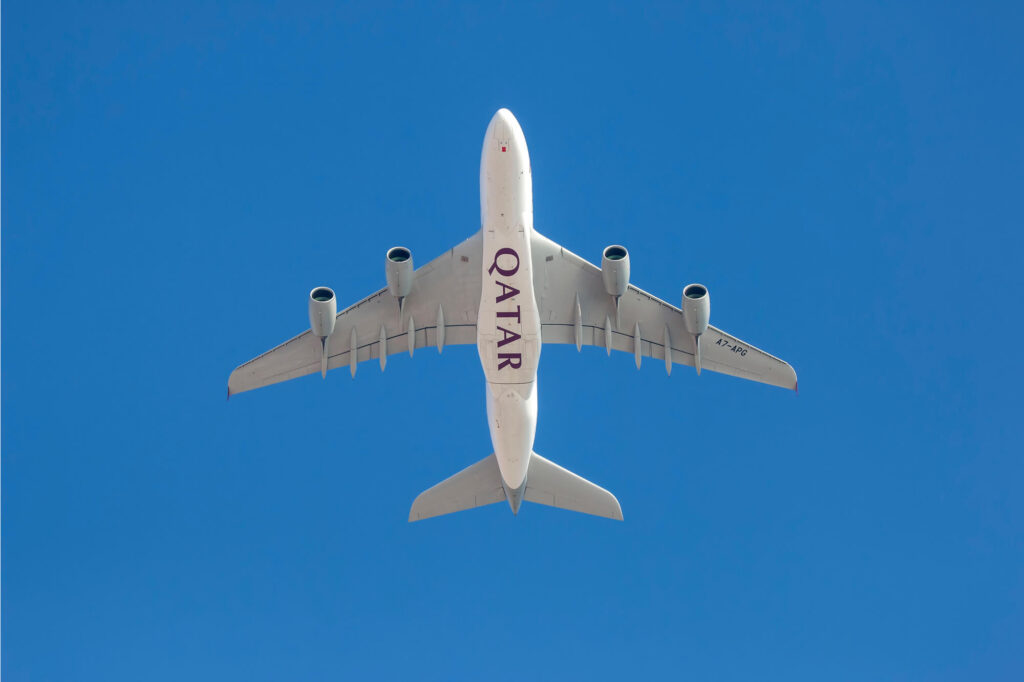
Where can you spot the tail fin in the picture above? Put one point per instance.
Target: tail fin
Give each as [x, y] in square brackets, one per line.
[546, 483]
[474, 486]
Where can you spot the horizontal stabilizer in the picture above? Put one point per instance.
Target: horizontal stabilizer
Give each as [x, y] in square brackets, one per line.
[474, 486]
[547, 483]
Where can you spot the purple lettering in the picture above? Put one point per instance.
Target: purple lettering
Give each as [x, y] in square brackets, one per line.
[509, 292]
[510, 336]
[507, 272]
[515, 315]
[513, 360]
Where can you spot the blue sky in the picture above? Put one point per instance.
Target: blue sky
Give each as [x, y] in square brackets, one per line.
[844, 177]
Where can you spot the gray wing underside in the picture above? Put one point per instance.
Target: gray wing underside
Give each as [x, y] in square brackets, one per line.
[561, 276]
[450, 284]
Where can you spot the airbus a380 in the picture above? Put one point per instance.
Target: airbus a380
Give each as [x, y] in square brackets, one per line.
[509, 290]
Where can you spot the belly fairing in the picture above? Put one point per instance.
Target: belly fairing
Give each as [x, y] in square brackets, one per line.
[508, 322]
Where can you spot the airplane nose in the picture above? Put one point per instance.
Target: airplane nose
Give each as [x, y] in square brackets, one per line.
[505, 128]
[505, 187]
[504, 121]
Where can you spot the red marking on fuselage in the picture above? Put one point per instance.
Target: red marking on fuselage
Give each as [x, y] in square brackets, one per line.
[502, 149]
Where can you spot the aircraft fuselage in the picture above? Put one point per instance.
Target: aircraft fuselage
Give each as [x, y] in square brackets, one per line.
[508, 323]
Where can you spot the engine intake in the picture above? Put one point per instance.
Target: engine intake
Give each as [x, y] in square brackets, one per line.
[323, 309]
[696, 308]
[399, 271]
[615, 270]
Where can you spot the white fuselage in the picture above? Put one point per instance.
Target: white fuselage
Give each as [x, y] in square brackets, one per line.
[508, 324]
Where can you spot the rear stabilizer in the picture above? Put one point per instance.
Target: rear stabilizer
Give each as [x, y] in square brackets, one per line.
[546, 483]
[475, 486]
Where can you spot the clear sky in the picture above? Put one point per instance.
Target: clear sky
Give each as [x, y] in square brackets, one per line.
[846, 178]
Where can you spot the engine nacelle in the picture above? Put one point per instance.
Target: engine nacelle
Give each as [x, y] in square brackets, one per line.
[696, 308]
[615, 270]
[399, 271]
[323, 309]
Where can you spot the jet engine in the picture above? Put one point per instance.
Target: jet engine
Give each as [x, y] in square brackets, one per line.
[323, 309]
[696, 308]
[399, 271]
[615, 270]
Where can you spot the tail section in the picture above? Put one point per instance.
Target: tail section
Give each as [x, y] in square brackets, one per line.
[474, 486]
[546, 483]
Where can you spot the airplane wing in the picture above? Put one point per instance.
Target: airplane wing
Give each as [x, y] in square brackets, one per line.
[576, 309]
[440, 310]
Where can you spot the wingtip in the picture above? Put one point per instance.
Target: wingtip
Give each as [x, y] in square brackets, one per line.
[615, 508]
[414, 513]
[794, 386]
[233, 381]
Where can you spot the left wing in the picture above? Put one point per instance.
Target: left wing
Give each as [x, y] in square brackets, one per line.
[440, 310]
[576, 309]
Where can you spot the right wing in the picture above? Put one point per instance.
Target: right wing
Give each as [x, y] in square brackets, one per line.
[575, 308]
[442, 309]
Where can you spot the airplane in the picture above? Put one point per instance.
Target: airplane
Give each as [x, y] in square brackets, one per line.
[510, 290]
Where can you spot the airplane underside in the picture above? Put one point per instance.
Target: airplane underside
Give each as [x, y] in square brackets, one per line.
[509, 290]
